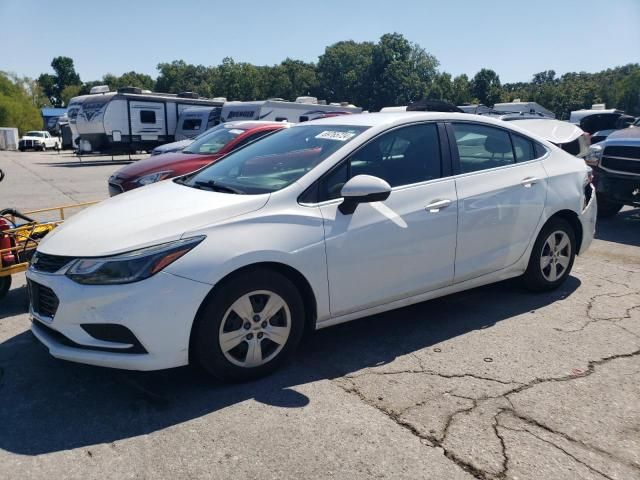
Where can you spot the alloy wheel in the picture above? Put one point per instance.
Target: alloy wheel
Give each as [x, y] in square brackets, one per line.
[255, 329]
[556, 256]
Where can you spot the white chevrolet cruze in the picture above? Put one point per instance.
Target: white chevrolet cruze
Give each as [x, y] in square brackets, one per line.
[318, 224]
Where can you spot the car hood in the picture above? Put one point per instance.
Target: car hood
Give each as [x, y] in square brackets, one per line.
[554, 131]
[31, 138]
[632, 133]
[173, 147]
[157, 163]
[147, 216]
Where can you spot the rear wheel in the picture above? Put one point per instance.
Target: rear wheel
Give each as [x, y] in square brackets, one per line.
[607, 208]
[249, 326]
[552, 256]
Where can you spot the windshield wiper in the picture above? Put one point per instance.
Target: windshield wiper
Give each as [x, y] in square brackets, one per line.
[218, 188]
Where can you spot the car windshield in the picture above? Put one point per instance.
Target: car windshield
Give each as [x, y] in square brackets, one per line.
[214, 140]
[275, 161]
[35, 134]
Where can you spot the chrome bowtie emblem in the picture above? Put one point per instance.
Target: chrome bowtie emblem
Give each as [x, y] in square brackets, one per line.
[636, 192]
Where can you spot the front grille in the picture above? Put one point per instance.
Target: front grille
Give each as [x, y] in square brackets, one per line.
[622, 151]
[49, 263]
[43, 300]
[621, 165]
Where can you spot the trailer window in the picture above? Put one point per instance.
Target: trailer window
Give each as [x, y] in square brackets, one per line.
[191, 124]
[147, 116]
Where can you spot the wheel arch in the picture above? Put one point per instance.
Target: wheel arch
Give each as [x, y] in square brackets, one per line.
[297, 278]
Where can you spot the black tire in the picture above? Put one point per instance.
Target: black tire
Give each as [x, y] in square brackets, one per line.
[535, 277]
[43, 148]
[205, 342]
[22, 149]
[5, 285]
[607, 208]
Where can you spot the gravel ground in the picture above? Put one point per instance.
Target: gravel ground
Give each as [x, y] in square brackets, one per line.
[490, 383]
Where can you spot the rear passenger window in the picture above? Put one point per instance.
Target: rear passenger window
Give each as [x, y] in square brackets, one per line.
[523, 148]
[481, 147]
[147, 116]
[401, 157]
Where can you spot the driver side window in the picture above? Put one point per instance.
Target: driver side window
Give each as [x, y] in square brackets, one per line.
[403, 156]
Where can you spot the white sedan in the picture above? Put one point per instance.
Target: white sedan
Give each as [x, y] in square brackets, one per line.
[318, 224]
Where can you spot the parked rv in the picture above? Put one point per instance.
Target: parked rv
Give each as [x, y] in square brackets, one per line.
[194, 121]
[133, 119]
[302, 110]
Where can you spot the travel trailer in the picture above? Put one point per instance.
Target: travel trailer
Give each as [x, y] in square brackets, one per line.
[194, 121]
[302, 110]
[132, 119]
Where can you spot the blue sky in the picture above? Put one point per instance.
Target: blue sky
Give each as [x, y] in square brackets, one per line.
[516, 38]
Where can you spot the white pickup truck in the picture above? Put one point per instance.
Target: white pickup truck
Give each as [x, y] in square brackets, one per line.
[39, 140]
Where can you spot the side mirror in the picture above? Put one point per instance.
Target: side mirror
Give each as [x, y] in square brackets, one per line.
[363, 189]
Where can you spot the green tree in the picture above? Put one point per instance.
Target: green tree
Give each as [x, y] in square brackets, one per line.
[69, 92]
[17, 109]
[65, 76]
[129, 79]
[486, 87]
[343, 72]
[461, 90]
[401, 72]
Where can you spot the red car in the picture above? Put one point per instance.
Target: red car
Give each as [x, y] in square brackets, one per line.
[218, 142]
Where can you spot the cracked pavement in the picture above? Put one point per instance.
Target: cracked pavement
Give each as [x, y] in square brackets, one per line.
[493, 383]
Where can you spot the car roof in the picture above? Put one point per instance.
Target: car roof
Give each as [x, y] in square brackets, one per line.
[399, 118]
[251, 124]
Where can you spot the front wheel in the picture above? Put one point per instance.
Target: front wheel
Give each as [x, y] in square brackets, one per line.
[607, 208]
[249, 326]
[552, 256]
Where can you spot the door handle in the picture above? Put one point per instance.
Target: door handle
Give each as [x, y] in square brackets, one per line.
[436, 206]
[527, 182]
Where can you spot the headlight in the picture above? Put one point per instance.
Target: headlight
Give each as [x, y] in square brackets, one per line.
[154, 177]
[37, 141]
[129, 267]
[593, 155]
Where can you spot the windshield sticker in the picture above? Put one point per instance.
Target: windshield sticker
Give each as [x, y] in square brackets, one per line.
[235, 131]
[338, 136]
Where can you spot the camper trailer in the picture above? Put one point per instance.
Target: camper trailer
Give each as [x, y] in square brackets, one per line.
[133, 119]
[73, 108]
[194, 121]
[302, 110]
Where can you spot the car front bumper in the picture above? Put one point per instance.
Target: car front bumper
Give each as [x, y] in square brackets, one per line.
[158, 311]
[620, 188]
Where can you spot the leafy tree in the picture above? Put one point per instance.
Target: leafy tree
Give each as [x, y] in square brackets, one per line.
[129, 79]
[69, 92]
[16, 104]
[461, 90]
[486, 87]
[54, 85]
[401, 72]
[344, 72]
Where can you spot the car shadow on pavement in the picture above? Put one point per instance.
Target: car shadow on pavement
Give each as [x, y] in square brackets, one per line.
[48, 405]
[623, 228]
